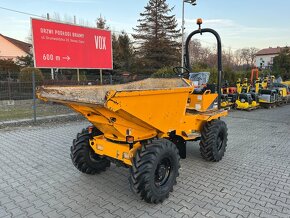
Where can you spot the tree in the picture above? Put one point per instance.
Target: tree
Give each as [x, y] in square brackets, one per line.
[8, 69]
[25, 61]
[281, 64]
[252, 53]
[238, 57]
[101, 23]
[157, 36]
[246, 56]
[197, 53]
[123, 52]
[26, 74]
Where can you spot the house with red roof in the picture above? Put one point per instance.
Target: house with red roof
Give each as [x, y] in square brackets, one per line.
[12, 48]
[265, 57]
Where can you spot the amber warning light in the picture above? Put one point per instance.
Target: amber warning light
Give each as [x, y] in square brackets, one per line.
[199, 21]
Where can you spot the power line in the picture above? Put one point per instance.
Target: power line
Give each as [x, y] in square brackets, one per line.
[35, 15]
[20, 12]
[114, 31]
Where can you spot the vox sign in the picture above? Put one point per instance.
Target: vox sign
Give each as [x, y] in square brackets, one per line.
[59, 45]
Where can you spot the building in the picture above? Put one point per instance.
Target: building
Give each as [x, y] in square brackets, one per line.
[265, 57]
[12, 48]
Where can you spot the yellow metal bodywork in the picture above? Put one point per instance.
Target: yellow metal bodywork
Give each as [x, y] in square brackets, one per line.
[245, 86]
[265, 83]
[286, 83]
[283, 92]
[246, 105]
[239, 87]
[265, 102]
[118, 151]
[227, 104]
[165, 111]
[145, 114]
[258, 86]
[242, 86]
[201, 102]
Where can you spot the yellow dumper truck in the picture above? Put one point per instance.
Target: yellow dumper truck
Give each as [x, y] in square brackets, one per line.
[144, 126]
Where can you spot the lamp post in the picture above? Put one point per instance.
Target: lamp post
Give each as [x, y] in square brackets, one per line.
[193, 3]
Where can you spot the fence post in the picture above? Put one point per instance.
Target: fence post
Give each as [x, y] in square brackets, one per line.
[9, 87]
[101, 76]
[111, 79]
[34, 97]
[78, 75]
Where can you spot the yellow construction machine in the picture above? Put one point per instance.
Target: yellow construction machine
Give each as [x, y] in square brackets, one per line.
[229, 96]
[286, 83]
[273, 93]
[247, 99]
[145, 125]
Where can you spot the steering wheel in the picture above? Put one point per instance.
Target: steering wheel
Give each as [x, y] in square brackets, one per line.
[182, 71]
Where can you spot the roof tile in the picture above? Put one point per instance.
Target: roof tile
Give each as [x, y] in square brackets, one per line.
[22, 45]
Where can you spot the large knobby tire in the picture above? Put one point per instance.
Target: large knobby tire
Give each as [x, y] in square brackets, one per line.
[154, 170]
[213, 141]
[83, 156]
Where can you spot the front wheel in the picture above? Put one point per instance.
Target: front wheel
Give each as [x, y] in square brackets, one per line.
[214, 139]
[154, 170]
[83, 156]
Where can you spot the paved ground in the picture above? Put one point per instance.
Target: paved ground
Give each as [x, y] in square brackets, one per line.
[37, 178]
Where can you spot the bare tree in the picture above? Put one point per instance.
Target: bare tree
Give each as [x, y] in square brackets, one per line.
[245, 52]
[198, 53]
[228, 58]
[56, 16]
[248, 56]
[84, 22]
[195, 50]
[238, 59]
[252, 53]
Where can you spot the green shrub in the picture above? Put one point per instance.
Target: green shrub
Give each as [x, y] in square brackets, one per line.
[83, 77]
[26, 74]
[165, 72]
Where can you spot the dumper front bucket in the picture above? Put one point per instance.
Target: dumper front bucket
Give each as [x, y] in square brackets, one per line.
[143, 109]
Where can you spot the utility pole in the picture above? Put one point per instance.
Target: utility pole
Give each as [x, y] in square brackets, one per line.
[193, 3]
[78, 70]
[51, 69]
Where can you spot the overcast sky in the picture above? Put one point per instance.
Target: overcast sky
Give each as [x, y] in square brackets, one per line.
[241, 23]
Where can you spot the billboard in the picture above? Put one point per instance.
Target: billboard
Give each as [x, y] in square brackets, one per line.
[59, 45]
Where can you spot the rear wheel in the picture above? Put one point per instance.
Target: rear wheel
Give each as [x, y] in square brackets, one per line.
[83, 156]
[213, 142]
[154, 170]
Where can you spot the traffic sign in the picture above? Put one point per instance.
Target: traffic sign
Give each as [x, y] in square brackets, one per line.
[59, 45]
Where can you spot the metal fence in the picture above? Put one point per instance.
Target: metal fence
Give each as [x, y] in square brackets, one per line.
[10, 90]
[16, 90]
[17, 99]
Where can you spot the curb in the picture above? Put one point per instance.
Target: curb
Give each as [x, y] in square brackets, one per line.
[41, 120]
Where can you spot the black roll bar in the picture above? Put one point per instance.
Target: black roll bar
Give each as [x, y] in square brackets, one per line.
[219, 53]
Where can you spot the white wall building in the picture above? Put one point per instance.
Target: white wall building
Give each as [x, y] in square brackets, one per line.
[265, 57]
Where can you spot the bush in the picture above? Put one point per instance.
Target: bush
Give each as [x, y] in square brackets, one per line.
[213, 75]
[83, 77]
[165, 72]
[26, 74]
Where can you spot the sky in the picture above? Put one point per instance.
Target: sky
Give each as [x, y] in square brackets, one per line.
[241, 23]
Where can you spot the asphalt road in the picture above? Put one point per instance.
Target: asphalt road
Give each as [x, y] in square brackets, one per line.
[37, 178]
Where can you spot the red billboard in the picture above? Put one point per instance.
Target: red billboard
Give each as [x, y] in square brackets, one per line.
[59, 45]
